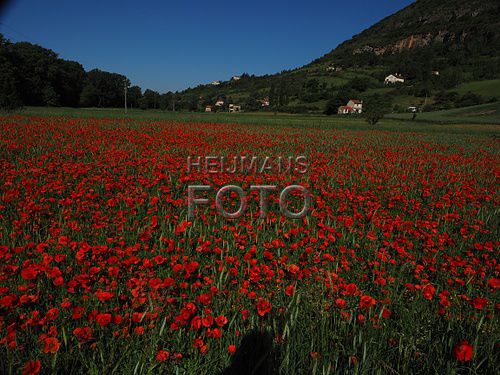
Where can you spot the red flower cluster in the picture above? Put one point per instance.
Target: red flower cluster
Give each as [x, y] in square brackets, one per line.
[95, 245]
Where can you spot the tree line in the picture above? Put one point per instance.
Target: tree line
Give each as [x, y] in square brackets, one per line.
[31, 75]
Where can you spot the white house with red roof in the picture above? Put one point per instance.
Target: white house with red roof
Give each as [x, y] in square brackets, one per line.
[394, 78]
[345, 110]
[356, 105]
[353, 106]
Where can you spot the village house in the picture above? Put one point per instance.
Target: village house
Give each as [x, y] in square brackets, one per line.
[345, 110]
[435, 72]
[354, 106]
[208, 108]
[215, 83]
[219, 103]
[394, 78]
[234, 108]
[264, 102]
[236, 78]
[331, 68]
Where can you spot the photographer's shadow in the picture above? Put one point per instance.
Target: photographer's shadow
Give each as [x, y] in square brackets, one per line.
[256, 355]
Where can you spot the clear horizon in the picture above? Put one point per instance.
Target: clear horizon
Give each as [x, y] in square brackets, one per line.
[170, 47]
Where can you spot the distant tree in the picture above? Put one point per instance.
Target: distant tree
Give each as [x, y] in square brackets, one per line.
[134, 95]
[32, 64]
[193, 103]
[150, 100]
[373, 117]
[104, 89]
[450, 78]
[251, 103]
[166, 101]
[89, 96]
[273, 98]
[50, 97]
[469, 99]
[9, 96]
[331, 107]
[358, 84]
[67, 79]
[377, 104]
[445, 99]
[283, 97]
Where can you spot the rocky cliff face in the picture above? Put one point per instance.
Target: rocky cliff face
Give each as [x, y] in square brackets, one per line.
[414, 41]
[426, 22]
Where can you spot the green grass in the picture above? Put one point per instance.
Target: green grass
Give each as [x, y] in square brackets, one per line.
[435, 122]
[480, 114]
[487, 89]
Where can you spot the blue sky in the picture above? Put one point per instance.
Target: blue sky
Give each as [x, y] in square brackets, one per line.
[166, 45]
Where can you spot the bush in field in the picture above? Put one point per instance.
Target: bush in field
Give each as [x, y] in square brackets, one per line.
[373, 118]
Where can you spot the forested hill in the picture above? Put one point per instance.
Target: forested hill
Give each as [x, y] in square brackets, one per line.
[447, 25]
[459, 40]
[448, 51]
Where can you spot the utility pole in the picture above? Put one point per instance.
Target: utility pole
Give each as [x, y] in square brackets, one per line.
[125, 90]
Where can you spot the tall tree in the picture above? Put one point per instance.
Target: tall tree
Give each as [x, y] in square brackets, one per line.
[9, 93]
[103, 89]
[134, 95]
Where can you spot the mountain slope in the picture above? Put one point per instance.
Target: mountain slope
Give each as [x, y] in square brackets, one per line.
[452, 23]
[461, 39]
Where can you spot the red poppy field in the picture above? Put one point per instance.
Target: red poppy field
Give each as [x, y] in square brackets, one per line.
[393, 271]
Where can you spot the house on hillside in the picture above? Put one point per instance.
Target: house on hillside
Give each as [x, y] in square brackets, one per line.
[235, 78]
[219, 103]
[354, 106]
[234, 108]
[331, 68]
[215, 83]
[394, 78]
[345, 110]
[208, 108]
[264, 102]
[435, 72]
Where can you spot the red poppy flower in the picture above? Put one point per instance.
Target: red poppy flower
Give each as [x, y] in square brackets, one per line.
[63, 240]
[104, 296]
[340, 303]
[162, 355]
[83, 334]
[263, 307]
[428, 292]
[32, 368]
[51, 345]
[221, 321]
[231, 349]
[479, 303]
[289, 290]
[29, 273]
[463, 351]
[366, 302]
[103, 319]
